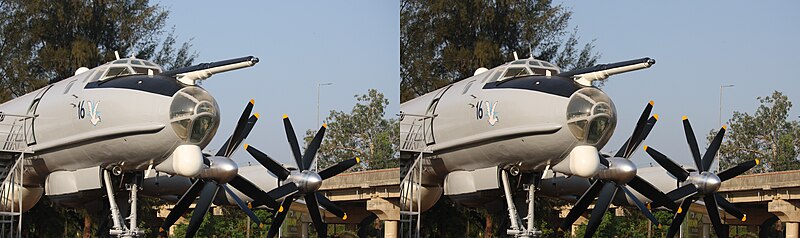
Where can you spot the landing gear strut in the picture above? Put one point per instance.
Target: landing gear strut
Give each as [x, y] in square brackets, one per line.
[517, 230]
[119, 229]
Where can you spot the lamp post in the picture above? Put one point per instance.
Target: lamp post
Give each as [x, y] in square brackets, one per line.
[316, 167]
[719, 119]
[318, 86]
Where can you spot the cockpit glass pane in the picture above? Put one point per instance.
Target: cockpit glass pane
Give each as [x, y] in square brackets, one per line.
[515, 72]
[122, 61]
[148, 63]
[136, 62]
[518, 62]
[140, 70]
[534, 63]
[117, 71]
[548, 64]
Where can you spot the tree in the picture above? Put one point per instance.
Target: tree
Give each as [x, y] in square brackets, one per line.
[444, 41]
[768, 135]
[363, 133]
[46, 40]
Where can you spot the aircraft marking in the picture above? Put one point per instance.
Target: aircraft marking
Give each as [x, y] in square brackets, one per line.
[91, 107]
[491, 112]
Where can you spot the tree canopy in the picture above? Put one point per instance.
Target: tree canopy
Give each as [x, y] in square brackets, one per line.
[445, 41]
[46, 40]
[767, 135]
[364, 132]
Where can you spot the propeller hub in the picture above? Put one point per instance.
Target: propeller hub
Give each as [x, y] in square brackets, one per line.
[306, 181]
[706, 182]
[620, 171]
[221, 170]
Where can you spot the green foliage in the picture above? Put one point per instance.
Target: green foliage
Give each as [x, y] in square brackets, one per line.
[364, 132]
[767, 135]
[633, 224]
[45, 40]
[444, 41]
[232, 223]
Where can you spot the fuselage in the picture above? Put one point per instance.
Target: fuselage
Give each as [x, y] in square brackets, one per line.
[118, 114]
[519, 113]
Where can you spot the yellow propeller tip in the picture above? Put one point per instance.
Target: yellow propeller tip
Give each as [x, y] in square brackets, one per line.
[655, 116]
[724, 127]
[344, 218]
[645, 147]
[651, 103]
[648, 206]
[245, 146]
[161, 229]
[285, 116]
[758, 161]
[744, 218]
[280, 209]
[685, 118]
[252, 101]
[250, 205]
[680, 210]
[256, 114]
[325, 125]
[358, 160]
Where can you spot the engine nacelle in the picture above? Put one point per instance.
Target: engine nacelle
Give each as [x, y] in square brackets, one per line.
[14, 193]
[409, 192]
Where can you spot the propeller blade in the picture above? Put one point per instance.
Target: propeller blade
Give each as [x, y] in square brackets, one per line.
[183, 204]
[251, 190]
[737, 170]
[330, 207]
[730, 208]
[311, 151]
[682, 192]
[667, 163]
[713, 214]
[628, 148]
[647, 128]
[242, 205]
[279, 217]
[269, 163]
[581, 205]
[600, 207]
[652, 193]
[767, 226]
[675, 226]
[692, 141]
[287, 125]
[603, 159]
[338, 168]
[283, 190]
[316, 217]
[201, 208]
[711, 152]
[641, 206]
[227, 149]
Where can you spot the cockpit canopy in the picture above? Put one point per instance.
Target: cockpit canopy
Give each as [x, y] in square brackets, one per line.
[524, 67]
[122, 67]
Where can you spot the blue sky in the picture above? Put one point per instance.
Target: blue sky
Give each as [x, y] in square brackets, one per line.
[352, 44]
[698, 46]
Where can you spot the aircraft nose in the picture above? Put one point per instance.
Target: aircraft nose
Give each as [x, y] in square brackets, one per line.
[194, 115]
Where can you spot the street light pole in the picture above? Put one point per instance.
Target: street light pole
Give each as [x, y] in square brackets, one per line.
[316, 167]
[719, 119]
[318, 86]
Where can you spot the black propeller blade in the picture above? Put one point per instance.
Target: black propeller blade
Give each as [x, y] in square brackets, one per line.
[583, 203]
[692, 141]
[737, 170]
[600, 207]
[630, 145]
[203, 204]
[675, 226]
[641, 206]
[238, 132]
[298, 159]
[290, 190]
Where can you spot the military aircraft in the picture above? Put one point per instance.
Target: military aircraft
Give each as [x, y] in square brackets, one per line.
[132, 119]
[524, 127]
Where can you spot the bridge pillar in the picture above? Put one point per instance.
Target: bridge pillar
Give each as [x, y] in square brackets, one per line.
[388, 212]
[788, 212]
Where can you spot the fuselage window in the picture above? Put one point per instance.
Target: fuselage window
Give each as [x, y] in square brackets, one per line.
[495, 74]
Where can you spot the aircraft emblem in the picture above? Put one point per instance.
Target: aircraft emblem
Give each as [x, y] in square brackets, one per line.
[491, 112]
[93, 113]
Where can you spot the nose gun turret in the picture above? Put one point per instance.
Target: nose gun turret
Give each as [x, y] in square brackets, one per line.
[586, 76]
